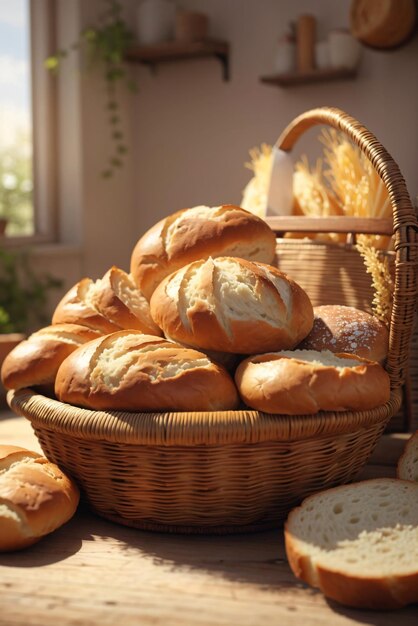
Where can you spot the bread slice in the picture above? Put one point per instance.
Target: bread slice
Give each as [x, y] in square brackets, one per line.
[408, 463]
[358, 543]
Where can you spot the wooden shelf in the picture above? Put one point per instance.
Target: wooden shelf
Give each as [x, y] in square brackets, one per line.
[172, 51]
[316, 76]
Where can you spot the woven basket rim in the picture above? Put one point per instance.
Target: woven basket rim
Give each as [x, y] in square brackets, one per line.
[187, 428]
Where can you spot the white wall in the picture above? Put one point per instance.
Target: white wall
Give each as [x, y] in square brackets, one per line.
[189, 132]
[193, 131]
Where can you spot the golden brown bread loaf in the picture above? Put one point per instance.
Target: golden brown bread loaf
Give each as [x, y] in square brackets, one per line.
[302, 382]
[35, 361]
[197, 233]
[341, 328]
[108, 304]
[130, 371]
[232, 305]
[36, 497]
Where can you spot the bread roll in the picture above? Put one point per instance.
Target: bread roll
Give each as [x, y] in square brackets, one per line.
[76, 308]
[35, 361]
[232, 305]
[408, 463]
[345, 329]
[36, 497]
[134, 372]
[197, 233]
[302, 382]
[358, 543]
[109, 304]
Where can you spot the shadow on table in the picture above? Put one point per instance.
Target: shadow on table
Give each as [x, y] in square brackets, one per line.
[407, 616]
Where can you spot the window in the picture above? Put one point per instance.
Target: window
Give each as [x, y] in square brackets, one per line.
[26, 120]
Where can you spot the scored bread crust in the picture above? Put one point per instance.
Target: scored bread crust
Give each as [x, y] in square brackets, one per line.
[74, 309]
[202, 319]
[228, 230]
[341, 328]
[407, 468]
[120, 310]
[36, 497]
[275, 383]
[361, 591]
[134, 372]
[35, 360]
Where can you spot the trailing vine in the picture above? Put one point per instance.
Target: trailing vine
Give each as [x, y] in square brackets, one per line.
[106, 44]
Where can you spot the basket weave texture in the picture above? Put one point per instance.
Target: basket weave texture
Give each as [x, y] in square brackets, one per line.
[233, 471]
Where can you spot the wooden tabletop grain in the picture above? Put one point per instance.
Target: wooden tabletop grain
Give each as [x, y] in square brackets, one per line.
[91, 571]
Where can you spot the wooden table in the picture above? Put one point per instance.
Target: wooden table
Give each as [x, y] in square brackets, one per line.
[94, 572]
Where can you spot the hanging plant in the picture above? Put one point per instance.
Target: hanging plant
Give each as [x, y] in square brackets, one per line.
[106, 44]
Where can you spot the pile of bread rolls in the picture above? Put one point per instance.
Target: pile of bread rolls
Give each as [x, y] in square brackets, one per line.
[204, 321]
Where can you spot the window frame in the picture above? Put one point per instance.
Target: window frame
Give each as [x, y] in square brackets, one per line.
[42, 35]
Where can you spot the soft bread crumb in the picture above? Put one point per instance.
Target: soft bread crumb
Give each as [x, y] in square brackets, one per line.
[123, 355]
[325, 358]
[367, 529]
[129, 294]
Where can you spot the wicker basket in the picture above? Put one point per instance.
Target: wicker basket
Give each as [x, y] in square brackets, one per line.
[232, 471]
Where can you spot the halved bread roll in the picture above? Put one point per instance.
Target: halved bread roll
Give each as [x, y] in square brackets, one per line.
[358, 543]
[36, 497]
[228, 304]
[197, 233]
[130, 371]
[302, 382]
[341, 328]
[35, 361]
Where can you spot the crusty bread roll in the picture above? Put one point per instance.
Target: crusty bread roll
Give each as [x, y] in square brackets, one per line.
[358, 543]
[302, 382]
[35, 361]
[36, 497]
[130, 371]
[408, 463]
[232, 305]
[197, 233]
[341, 328]
[76, 308]
[109, 304]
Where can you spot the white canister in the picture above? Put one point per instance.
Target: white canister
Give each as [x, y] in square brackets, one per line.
[322, 60]
[155, 21]
[344, 49]
[285, 59]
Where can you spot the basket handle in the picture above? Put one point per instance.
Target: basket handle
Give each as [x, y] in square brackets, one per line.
[404, 225]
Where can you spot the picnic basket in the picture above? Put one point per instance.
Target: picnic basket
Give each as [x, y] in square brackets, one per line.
[231, 471]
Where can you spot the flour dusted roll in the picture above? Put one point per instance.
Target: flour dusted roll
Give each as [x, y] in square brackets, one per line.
[36, 497]
[341, 328]
[108, 304]
[302, 382]
[232, 305]
[197, 233]
[35, 361]
[130, 371]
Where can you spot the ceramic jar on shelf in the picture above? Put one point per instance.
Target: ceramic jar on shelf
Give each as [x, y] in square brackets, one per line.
[155, 21]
